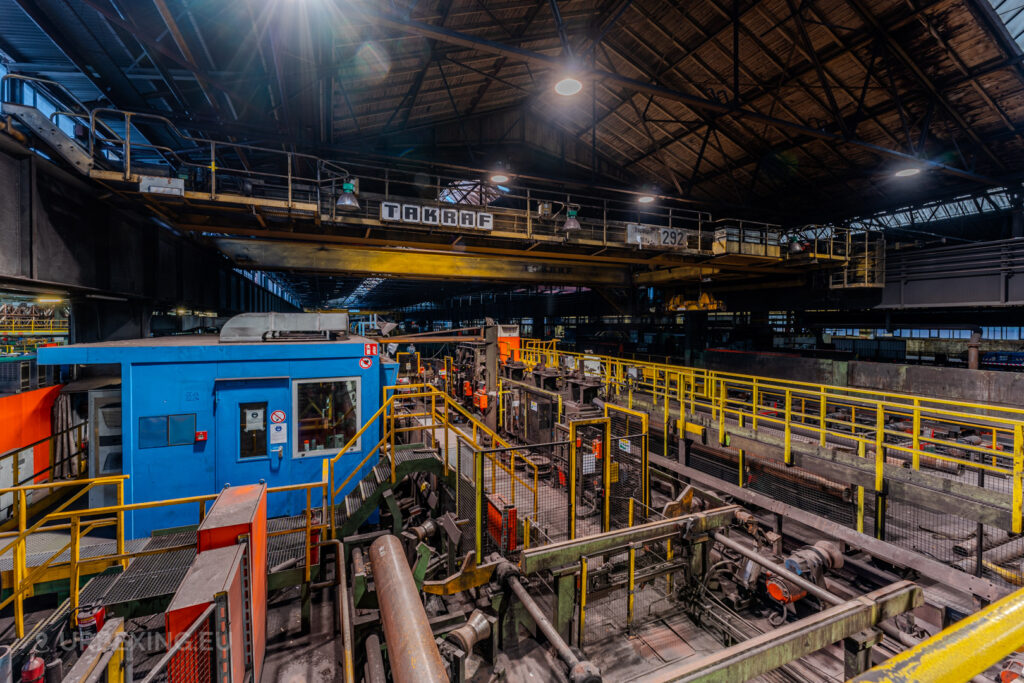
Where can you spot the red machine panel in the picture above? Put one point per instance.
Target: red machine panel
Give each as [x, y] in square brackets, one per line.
[238, 511]
[212, 572]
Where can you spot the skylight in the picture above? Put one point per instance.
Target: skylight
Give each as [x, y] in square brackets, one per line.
[1012, 14]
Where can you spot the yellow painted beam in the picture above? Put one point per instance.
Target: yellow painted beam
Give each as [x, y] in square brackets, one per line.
[411, 239]
[407, 263]
[960, 652]
[470, 575]
[679, 273]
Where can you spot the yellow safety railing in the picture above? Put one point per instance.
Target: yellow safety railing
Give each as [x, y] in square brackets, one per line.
[536, 348]
[19, 325]
[413, 361]
[81, 522]
[960, 652]
[895, 428]
[439, 409]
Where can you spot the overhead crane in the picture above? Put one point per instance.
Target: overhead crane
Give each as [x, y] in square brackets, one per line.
[289, 216]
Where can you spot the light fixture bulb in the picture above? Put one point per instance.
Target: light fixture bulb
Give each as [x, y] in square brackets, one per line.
[348, 200]
[568, 86]
[646, 199]
[907, 172]
[572, 224]
[499, 178]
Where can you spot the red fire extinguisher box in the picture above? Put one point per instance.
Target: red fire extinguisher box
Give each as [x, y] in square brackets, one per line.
[242, 511]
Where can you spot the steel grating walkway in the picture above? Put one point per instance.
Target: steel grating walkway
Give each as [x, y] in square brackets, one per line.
[151, 576]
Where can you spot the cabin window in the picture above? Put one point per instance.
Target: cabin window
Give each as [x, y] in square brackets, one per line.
[327, 415]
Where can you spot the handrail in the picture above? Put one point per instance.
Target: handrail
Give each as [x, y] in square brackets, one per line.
[701, 232]
[961, 651]
[81, 522]
[861, 417]
[5, 92]
[335, 171]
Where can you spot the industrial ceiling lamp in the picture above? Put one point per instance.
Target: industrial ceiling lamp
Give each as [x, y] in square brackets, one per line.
[347, 200]
[499, 177]
[908, 172]
[572, 224]
[568, 86]
[646, 199]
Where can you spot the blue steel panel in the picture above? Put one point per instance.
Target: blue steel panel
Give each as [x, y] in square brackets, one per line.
[200, 377]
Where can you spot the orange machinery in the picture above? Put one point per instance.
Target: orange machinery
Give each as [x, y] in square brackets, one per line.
[215, 578]
[240, 515]
[508, 343]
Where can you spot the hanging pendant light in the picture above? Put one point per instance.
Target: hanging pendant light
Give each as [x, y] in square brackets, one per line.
[572, 224]
[347, 200]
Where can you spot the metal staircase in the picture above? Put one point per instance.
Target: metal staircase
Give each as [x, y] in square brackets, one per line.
[50, 133]
[363, 500]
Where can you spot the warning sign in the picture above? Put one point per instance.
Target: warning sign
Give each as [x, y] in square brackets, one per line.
[369, 349]
[365, 363]
[278, 416]
[279, 433]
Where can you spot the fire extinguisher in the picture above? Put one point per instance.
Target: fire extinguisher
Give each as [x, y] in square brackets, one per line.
[34, 670]
[90, 620]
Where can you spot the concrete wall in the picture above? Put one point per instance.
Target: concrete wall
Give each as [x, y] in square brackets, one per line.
[983, 386]
[781, 366]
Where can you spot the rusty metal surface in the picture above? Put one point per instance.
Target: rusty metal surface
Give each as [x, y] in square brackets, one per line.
[769, 651]
[412, 652]
[925, 566]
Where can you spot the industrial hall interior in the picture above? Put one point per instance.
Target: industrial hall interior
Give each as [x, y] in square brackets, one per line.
[511, 341]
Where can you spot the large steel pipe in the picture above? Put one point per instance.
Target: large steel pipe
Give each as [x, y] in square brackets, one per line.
[412, 652]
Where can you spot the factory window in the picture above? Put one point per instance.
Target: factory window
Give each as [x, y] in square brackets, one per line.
[181, 429]
[326, 414]
[252, 430]
[167, 430]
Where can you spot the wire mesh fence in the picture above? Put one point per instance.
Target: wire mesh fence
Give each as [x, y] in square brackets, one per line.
[190, 658]
[604, 611]
[947, 537]
[550, 521]
[590, 484]
[626, 481]
[790, 485]
[627, 589]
